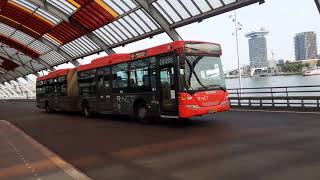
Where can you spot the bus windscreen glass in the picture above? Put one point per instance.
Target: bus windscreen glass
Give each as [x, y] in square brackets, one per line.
[202, 48]
[202, 73]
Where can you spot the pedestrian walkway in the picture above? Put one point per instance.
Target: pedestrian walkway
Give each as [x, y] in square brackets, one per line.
[21, 157]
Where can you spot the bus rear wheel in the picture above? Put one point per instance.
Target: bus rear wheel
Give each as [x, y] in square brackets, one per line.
[85, 110]
[47, 108]
[141, 113]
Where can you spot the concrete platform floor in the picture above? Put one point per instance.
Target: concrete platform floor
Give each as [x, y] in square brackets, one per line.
[229, 146]
[22, 158]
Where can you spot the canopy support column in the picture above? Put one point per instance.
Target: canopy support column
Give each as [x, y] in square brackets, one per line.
[317, 4]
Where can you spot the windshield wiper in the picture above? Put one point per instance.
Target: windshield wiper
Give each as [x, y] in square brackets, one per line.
[192, 71]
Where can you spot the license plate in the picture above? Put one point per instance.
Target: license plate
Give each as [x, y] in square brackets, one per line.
[212, 111]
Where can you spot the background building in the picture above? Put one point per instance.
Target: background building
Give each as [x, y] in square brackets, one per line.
[306, 45]
[258, 48]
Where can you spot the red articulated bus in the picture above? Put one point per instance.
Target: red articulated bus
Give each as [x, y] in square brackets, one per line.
[181, 79]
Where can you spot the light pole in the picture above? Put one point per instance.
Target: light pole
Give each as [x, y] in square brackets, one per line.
[237, 27]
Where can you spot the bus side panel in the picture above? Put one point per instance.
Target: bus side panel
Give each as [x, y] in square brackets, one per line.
[40, 102]
[124, 104]
[72, 90]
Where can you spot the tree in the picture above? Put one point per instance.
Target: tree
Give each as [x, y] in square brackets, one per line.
[307, 65]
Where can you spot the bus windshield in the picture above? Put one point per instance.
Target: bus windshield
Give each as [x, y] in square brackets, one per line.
[202, 73]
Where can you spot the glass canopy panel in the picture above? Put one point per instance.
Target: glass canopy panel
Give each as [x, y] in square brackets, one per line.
[226, 2]
[39, 47]
[9, 51]
[6, 30]
[215, 3]
[36, 66]
[22, 70]
[23, 58]
[63, 5]
[48, 16]
[25, 4]
[203, 5]
[21, 37]
[80, 46]
[121, 6]
[53, 58]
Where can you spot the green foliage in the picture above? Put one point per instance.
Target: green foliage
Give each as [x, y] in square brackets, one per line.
[294, 67]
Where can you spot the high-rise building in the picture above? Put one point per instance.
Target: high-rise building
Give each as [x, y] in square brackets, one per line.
[305, 45]
[258, 48]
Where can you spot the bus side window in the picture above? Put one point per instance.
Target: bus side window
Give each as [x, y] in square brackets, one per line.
[107, 74]
[142, 77]
[120, 77]
[87, 82]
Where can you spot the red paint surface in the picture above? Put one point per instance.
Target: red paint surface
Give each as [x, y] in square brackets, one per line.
[7, 64]
[204, 102]
[54, 74]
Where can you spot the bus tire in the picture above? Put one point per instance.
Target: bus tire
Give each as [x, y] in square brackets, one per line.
[47, 108]
[86, 110]
[141, 113]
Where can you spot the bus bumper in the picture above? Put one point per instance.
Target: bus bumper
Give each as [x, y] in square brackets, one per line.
[188, 111]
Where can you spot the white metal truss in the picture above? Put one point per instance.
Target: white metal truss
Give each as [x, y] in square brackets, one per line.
[24, 90]
[5, 89]
[3, 95]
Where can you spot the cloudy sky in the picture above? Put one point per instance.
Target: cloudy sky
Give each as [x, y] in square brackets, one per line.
[283, 18]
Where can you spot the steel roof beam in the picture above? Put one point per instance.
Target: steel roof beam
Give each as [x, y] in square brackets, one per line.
[9, 76]
[317, 4]
[17, 73]
[59, 50]
[155, 14]
[74, 23]
[38, 60]
[4, 89]
[17, 62]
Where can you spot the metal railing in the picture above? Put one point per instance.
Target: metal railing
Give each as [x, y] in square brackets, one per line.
[306, 97]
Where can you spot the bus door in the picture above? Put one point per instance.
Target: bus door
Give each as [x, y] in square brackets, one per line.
[168, 85]
[104, 90]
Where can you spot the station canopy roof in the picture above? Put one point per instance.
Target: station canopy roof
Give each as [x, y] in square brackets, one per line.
[38, 35]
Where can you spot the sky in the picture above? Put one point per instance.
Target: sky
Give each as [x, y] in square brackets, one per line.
[283, 18]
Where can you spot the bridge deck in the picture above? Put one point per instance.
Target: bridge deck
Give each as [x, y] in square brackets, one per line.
[235, 145]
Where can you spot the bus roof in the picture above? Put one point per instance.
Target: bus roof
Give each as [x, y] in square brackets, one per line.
[54, 74]
[120, 58]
